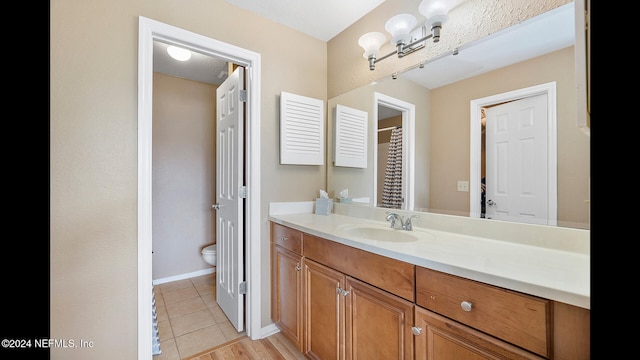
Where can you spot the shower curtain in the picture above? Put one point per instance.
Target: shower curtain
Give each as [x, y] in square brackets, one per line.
[392, 188]
[154, 317]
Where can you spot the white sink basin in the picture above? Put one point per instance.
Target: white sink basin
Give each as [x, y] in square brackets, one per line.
[382, 233]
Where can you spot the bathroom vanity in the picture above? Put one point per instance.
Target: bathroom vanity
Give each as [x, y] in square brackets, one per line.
[338, 294]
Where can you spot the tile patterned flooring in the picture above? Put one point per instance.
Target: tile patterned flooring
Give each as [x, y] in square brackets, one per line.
[189, 319]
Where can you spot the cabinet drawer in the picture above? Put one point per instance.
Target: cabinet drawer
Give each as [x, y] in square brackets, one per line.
[520, 319]
[394, 276]
[286, 237]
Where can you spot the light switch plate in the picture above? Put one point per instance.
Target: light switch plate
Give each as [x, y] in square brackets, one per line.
[463, 185]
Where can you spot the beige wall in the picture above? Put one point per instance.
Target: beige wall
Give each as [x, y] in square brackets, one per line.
[184, 174]
[93, 152]
[449, 140]
[472, 20]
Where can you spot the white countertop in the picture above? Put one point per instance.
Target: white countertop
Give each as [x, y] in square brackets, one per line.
[550, 272]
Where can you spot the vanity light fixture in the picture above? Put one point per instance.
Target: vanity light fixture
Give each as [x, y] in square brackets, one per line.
[178, 53]
[401, 28]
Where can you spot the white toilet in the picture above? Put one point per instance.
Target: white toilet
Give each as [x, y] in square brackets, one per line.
[210, 254]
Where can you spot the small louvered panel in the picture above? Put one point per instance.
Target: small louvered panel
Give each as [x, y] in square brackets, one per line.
[301, 130]
[350, 137]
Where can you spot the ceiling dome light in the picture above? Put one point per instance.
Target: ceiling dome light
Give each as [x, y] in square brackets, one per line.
[179, 54]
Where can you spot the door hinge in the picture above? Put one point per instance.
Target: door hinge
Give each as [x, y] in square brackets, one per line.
[243, 192]
[586, 20]
[242, 289]
[243, 95]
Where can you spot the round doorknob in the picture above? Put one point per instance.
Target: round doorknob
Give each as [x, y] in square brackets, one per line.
[466, 305]
[491, 202]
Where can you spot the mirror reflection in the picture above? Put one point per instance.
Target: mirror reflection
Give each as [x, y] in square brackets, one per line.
[446, 109]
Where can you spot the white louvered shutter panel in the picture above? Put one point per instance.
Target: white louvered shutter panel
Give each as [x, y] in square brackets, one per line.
[350, 137]
[301, 130]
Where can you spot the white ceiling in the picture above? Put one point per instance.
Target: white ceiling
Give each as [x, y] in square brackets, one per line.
[322, 19]
[549, 32]
[200, 67]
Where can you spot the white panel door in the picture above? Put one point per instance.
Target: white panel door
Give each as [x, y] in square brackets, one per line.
[230, 203]
[516, 153]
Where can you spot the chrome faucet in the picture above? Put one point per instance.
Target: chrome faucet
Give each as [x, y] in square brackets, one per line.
[393, 217]
[406, 224]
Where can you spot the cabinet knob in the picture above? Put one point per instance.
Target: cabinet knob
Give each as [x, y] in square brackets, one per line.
[298, 268]
[466, 305]
[284, 238]
[416, 330]
[342, 292]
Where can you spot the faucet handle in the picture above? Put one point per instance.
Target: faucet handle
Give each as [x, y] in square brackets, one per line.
[407, 225]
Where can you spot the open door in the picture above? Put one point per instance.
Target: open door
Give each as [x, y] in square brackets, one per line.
[230, 291]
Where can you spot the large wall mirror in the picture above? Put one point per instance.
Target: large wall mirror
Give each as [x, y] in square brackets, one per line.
[457, 98]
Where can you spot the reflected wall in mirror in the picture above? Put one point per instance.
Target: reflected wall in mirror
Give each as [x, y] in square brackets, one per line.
[442, 153]
[363, 183]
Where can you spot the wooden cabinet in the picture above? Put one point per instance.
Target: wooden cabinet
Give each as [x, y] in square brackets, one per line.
[520, 319]
[465, 319]
[339, 302]
[374, 295]
[346, 318]
[378, 324]
[324, 312]
[286, 282]
[391, 275]
[330, 309]
[441, 338]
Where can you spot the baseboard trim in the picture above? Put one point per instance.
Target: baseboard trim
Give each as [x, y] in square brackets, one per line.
[184, 276]
[267, 331]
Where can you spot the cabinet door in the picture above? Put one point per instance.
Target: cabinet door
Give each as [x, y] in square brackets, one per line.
[441, 338]
[378, 323]
[324, 312]
[286, 305]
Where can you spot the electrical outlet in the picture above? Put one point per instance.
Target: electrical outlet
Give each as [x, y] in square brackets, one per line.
[463, 185]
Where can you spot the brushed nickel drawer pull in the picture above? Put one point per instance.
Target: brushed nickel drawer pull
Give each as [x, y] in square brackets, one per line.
[466, 305]
[416, 330]
[284, 238]
[298, 268]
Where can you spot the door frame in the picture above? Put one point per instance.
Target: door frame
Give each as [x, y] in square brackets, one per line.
[408, 146]
[148, 31]
[475, 142]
